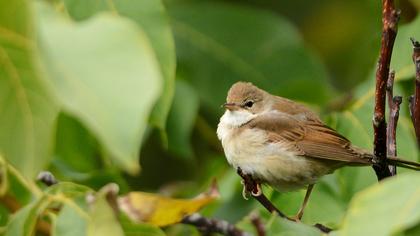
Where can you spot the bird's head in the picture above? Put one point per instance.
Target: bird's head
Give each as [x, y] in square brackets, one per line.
[246, 97]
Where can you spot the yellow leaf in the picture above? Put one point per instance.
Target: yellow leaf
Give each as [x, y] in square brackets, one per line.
[161, 211]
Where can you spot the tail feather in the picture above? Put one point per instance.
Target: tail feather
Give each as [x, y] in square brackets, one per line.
[404, 163]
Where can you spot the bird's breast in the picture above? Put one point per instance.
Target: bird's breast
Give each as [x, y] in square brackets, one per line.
[273, 163]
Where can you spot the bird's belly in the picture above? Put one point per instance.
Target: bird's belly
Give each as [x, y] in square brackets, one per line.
[272, 163]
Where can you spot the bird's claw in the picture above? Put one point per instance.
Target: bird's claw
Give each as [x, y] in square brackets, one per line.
[258, 191]
[245, 192]
[255, 192]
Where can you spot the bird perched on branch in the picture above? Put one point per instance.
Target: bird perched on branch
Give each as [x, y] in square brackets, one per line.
[282, 143]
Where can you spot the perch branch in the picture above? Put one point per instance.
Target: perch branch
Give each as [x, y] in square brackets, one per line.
[394, 109]
[389, 31]
[252, 187]
[207, 226]
[415, 101]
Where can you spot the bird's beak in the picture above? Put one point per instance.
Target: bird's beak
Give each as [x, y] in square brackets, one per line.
[230, 106]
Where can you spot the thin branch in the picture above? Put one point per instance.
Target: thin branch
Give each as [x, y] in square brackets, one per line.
[206, 225]
[258, 224]
[415, 101]
[389, 31]
[394, 108]
[252, 187]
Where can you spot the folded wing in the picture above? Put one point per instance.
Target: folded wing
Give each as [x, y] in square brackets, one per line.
[309, 138]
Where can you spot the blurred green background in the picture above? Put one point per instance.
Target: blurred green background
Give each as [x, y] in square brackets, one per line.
[130, 92]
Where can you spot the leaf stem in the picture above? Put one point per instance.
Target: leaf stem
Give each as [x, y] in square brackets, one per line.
[30, 185]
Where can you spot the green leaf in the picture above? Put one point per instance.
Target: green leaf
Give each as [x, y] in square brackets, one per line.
[281, 226]
[69, 189]
[386, 208]
[103, 218]
[105, 74]
[23, 222]
[150, 15]
[82, 164]
[70, 222]
[181, 119]
[71, 134]
[28, 111]
[72, 218]
[133, 229]
[402, 61]
[219, 44]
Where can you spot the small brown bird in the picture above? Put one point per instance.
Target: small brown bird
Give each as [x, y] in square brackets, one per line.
[282, 143]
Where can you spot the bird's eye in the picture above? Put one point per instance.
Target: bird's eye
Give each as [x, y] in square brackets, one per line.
[249, 104]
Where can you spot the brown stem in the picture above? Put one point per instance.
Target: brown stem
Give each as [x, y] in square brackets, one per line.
[389, 31]
[394, 108]
[258, 224]
[415, 101]
[251, 186]
[206, 225]
[390, 87]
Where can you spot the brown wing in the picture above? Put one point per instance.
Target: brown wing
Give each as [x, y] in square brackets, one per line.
[308, 138]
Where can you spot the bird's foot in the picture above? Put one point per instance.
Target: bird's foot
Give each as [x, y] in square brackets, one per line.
[254, 190]
[245, 193]
[257, 191]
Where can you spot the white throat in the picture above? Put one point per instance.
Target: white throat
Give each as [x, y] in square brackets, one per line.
[232, 119]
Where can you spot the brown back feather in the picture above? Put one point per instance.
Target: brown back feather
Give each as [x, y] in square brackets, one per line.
[309, 138]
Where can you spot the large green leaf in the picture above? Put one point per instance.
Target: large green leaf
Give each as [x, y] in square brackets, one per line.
[71, 134]
[151, 16]
[181, 119]
[386, 208]
[105, 73]
[82, 164]
[27, 109]
[220, 44]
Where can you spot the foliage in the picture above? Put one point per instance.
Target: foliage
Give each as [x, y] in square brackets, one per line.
[89, 86]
